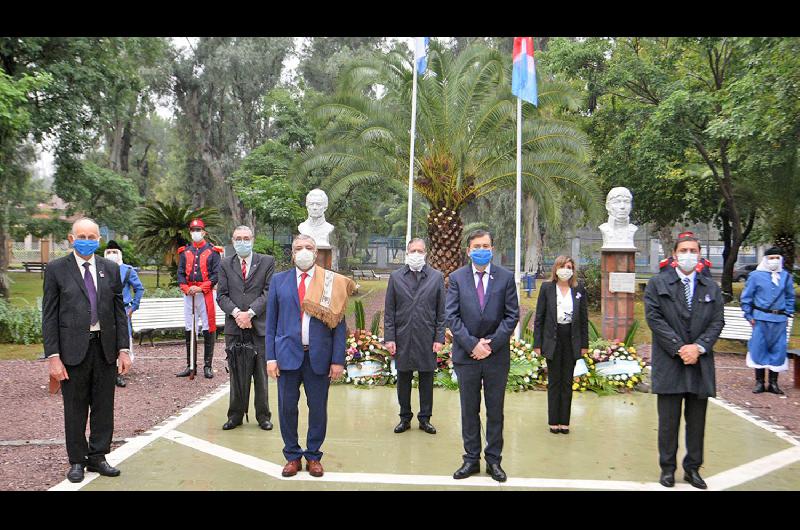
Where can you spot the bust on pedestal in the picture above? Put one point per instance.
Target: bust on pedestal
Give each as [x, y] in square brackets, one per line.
[316, 226]
[618, 258]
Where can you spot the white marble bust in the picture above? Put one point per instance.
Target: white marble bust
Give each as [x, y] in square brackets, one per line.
[316, 226]
[618, 232]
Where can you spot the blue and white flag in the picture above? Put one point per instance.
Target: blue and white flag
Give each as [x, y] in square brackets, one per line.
[523, 74]
[421, 53]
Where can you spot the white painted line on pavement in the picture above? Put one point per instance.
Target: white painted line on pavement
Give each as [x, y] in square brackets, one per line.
[754, 469]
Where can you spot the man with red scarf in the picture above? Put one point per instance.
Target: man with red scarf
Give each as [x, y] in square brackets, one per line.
[198, 267]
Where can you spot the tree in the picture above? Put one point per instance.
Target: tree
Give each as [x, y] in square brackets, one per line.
[323, 57]
[465, 139]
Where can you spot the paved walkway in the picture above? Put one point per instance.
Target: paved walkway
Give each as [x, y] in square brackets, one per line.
[612, 446]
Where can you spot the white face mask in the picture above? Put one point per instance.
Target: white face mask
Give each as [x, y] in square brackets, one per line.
[114, 256]
[774, 264]
[564, 274]
[687, 262]
[415, 261]
[304, 259]
[197, 237]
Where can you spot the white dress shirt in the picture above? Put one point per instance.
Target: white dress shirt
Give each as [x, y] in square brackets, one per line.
[306, 316]
[563, 306]
[692, 279]
[93, 269]
[248, 260]
[475, 277]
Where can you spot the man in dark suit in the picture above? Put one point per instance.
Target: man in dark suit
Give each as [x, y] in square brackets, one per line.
[482, 311]
[414, 331]
[242, 293]
[85, 332]
[302, 349]
[685, 311]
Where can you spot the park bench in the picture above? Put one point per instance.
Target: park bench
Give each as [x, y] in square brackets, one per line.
[738, 328]
[163, 313]
[364, 274]
[34, 266]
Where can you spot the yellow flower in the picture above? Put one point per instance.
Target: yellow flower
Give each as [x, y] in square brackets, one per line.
[574, 386]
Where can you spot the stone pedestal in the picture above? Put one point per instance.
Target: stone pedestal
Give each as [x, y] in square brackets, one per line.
[617, 307]
[325, 258]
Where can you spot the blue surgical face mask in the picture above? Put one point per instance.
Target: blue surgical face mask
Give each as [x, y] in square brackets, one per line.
[85, 247]
[481, 256]
[243, 248]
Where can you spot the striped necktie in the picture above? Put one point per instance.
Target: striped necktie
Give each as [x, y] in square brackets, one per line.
[687, 291]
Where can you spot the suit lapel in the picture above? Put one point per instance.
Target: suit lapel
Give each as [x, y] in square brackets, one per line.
[291, 283]
[253, 265]
[489, 285]
[102, 279]
[76, 275]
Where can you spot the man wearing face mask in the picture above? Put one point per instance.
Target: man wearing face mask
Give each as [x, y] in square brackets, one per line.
[414, 331]
[198, 269]
[306, 339]
[703, 265]
[767, 302]
[85, 334]
[132, 291]
[685, 312]
[244, 280]
[482, 311]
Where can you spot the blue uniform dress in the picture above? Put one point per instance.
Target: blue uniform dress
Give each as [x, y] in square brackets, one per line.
[132, 291]
[767, 346]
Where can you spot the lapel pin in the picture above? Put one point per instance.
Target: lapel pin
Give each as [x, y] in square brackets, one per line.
[708, 298]
[102, 274]
[577, 296]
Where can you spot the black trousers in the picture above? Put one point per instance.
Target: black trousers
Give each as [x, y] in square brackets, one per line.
[669, 420]
[258, 373]
[493, 378]
[425, 395]
[559, 378]
[90, 387]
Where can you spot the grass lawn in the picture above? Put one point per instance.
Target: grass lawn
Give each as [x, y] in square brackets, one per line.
[25, 352]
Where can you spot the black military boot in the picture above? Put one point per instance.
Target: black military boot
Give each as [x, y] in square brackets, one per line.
[188, 371]
[759, 388]
[773, 383]
[208, 353]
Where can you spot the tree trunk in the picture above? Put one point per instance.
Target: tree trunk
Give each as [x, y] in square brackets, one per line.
[125, 149]
[445, 228]
[666, 239]
[4, 257]
[533, 255]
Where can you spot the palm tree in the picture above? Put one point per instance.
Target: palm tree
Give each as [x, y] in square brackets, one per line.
[466, 142]
[164, 227]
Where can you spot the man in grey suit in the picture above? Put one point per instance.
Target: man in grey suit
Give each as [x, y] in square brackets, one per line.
[414, 331]
[685, 312]
[242, 293]
[85, 331]
[482, 311]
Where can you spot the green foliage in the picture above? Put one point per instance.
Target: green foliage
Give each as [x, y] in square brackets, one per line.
[358, 311]
[631, 334]
[443, 379]
[375, 327]
[20, 325]
[594, 334]
[130, 254]
[264, 245]
[591, 276]
[170, 292]
[527, 331]
[164, 227]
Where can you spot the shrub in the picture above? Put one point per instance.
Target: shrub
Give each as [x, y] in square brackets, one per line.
[20, 325]
[591, 276]
[264, 245]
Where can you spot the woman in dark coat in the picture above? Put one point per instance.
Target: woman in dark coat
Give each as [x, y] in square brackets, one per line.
[414, 331]
[561, 334]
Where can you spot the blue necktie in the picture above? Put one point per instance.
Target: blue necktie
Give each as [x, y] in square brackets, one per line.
[687, 291]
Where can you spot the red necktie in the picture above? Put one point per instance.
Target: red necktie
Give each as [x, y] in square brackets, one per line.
[244, 270]
[301, 293]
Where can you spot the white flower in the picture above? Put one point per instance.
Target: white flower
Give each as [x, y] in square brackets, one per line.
[624, 377]
[527, 379]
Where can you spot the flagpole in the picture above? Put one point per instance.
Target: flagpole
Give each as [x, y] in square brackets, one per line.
[518, 239]
[411, 159]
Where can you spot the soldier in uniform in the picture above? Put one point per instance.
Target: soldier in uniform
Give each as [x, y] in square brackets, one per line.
[703, 265]
[198, 267]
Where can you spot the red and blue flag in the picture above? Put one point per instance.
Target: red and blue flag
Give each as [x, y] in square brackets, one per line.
[523, 78]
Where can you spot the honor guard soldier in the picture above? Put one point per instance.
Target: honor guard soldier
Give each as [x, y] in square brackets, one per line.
[703, 265]
[198, 267]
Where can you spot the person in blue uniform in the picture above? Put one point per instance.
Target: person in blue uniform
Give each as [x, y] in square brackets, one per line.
[132, 291]
[767, 302]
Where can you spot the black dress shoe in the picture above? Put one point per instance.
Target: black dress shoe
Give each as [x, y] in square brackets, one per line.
[403, 426]
[496, 472]
[759, 388]
[555, 430]
[667, 479]
[230, 425]
[186, 373]
[562, 430]
[694, 478]
[121, 382]
[208, 372]
[774, 388]
[467, 470]
[266, 425]
[75, 473]
[102, 467]
[427, 427]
